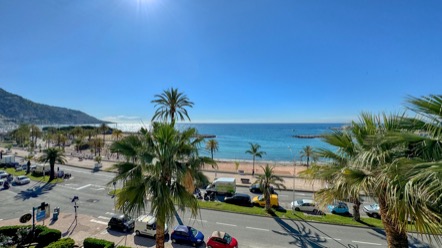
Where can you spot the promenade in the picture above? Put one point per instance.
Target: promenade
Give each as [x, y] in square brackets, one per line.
[225, 169]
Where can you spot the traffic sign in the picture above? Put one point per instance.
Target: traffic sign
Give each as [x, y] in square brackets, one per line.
[41, 215]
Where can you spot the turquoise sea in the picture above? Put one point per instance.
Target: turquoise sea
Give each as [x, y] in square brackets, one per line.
[275, 139]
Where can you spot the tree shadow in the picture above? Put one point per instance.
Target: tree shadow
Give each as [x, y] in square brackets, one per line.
[147, 240]
[304, 235]
[35, 191]
[68, 232]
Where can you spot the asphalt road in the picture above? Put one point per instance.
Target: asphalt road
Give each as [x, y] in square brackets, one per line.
[251, 231]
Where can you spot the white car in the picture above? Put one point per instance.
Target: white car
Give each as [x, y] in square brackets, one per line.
[304, 205]
[3, 175]
[372, 210]
[20, 180]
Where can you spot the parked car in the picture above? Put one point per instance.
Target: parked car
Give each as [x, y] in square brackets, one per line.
[260, 201]
[304, 205]
[340, 208]
[20, 180]
[238, 199]
[372, 210]
[221, 240]
[147, 225]
[256, 188]
[187, 234]
[121, 222]
[4, 175]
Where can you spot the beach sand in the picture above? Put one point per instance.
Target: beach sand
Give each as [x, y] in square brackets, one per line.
[224, 168]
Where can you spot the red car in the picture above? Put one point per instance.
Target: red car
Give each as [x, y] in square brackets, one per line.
[221, 240]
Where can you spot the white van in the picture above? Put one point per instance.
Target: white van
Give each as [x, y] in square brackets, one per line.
[39, 168]
[223, 185]
[147, 225]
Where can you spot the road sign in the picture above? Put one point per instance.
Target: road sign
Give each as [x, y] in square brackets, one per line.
[25, 218]
[41, 215]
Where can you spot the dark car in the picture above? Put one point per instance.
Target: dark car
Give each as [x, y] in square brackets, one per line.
[121, 222]
[187, 234]
[256, 188]
[239, 199]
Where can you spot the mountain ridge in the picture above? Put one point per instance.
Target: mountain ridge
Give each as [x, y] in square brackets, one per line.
[18, 110]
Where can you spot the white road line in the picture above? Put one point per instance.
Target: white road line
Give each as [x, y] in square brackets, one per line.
[1, 219]
[198, 220]
[99, 222]
[260, 229]
[104, 232]
[367, 243]
[225, 224]
[330, 238]
[283, 195]
[109, 213]
[104, 217]
[85, 186]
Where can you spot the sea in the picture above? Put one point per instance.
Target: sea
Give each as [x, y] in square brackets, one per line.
[276, 140]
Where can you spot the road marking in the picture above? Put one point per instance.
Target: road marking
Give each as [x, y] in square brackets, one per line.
[104, 232]
[109, 213]
[1, 219]
[260, 229]
[104, 217]
[367, 243]
[283, 195]
[85, 186]
[330, 238]
[225, 224]
[99, 222]
[198, 220]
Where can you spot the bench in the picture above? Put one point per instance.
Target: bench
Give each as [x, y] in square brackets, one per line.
[245, 180]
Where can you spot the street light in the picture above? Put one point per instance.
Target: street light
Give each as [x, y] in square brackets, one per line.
[294, 173]
[74, 200]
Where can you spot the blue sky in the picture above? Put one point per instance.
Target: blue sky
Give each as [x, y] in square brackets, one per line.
[237, 60]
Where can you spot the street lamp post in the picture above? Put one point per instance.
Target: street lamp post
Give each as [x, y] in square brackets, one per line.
[115, 191]
[294, 173]
[74, 200]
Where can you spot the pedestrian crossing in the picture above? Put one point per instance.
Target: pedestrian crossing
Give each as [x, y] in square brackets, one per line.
[75, 186]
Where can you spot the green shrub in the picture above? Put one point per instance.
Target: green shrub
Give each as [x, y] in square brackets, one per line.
[11, 231]
[62, 243]
[122, 246]
[48, 236]
[97, 243]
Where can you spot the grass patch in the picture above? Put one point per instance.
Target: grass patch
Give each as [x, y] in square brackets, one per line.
[289, 214]
[44, 179]
[114, 192]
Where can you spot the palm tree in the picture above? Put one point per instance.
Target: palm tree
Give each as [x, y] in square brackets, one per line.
[267, 179]
[212, 146]
[163, 160]
[103, 129]
[308, 153]
[116, 133]
[52, 155]
[171, 105]
[255, 152]
[392, 166]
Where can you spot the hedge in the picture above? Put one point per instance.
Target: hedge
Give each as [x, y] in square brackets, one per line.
[62, 243]
[48, 236]
[122, 246]
[97, 243]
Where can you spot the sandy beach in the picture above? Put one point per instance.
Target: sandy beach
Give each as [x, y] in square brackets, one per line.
[224, 168]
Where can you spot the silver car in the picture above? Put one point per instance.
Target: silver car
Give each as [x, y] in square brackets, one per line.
[372, 210]
[20, 180]
[304, 205]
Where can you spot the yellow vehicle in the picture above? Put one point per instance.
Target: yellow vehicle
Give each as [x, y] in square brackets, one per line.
[259, 200]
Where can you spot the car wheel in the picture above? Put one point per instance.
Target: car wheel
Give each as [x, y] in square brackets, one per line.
[137, 233]
[155, 236]
[375, 215]
[333, 212]
[209, 246]
[125, 229]
[194, 244]
[315, 211]
[297, 209]
[173, 240]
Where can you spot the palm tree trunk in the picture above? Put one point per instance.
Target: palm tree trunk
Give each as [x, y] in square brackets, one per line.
[51, 173]
[159, 235]
[356, 207]
[396, 238]
[253, 168]
[267, 196]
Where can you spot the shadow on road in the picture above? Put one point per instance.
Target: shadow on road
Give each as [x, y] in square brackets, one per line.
[35, 191]
[147, 241]
[69, 231]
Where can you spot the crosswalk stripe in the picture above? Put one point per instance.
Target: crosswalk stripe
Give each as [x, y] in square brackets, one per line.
[109, 213]
[104, 217]
[99, 222]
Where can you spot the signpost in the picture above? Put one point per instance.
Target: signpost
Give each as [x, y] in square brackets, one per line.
[40, 215]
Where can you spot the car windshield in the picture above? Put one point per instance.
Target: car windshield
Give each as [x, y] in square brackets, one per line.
[21, 177]
[260, 198]
[194, 231]
[227, 238]
[300, 202]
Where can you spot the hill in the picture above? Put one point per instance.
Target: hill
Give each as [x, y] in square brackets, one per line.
[16, 109]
